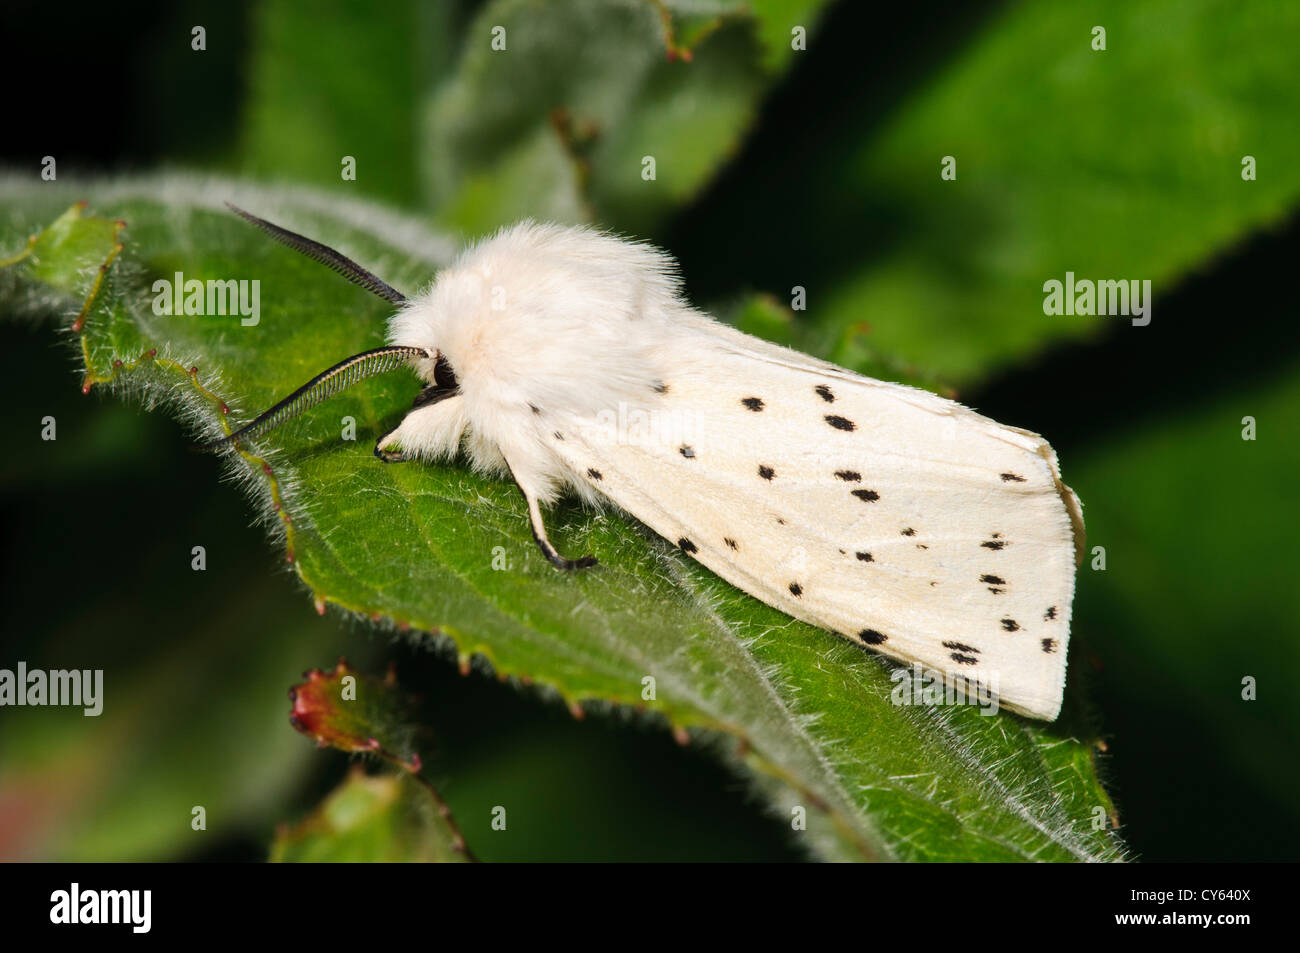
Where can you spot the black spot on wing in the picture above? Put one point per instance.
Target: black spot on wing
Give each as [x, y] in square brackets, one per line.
[594, 473]
[963, 659]
[865, 557]
[796, 590]
[1012, 478]
[1010, 625]
[765, 471]
[995, 583]
[686, 451]
[558, 435]
[909, 532]
[687, 546]
[867, 496]
[824, 393]
[731, 543]
[997, 542]
[961, 647]
[872, 637]
[1050, 614]
[534, 408]
[840, 423]
[849, 476]
[753, 403]
[660, 387]
[1049, 646]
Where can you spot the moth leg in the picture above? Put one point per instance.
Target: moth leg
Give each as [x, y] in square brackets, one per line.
[428, 397]
[391, 456]
[543, 543]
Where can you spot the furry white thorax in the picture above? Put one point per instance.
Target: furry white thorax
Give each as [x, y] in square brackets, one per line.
[541, 321]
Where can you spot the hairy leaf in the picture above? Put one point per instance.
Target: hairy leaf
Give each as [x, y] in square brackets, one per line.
[806, 715]
[353, 712]
[1116, 164]
[383, 818]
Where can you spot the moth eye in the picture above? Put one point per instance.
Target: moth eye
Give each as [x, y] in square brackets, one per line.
[444, 385]
[443, 375]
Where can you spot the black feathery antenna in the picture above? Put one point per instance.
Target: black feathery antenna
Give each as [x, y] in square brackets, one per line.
[324, 386]
[327, 256]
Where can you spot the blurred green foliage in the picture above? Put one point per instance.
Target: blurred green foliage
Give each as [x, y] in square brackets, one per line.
[389, 818]
[819, 169]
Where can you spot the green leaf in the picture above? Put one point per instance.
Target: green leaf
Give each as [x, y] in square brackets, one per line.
[557, 125]
[1116, 164]
[387, 818]
[341, 81]
[804, 714]
[353, 712]
[395, 817]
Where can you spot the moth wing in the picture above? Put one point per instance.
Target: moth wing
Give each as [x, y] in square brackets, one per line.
[897, 518]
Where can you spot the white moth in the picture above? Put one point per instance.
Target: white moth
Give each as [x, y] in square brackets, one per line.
[567, 360]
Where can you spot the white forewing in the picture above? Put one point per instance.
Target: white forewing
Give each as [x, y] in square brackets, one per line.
[892, 516]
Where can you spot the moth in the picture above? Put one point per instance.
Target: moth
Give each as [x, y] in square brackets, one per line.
[568, 360]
